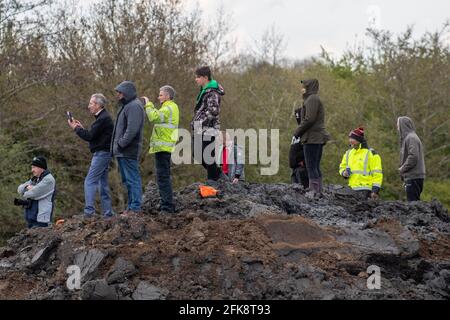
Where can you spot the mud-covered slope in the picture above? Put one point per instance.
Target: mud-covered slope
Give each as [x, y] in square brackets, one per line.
[253, 242]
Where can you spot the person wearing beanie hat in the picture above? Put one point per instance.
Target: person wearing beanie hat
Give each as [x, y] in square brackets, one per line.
[39, 162]
[357, 134]
[362, 166]
[39, 193]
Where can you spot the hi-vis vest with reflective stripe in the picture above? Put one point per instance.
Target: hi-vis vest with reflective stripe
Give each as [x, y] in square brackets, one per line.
[366, 169]
[165, 129]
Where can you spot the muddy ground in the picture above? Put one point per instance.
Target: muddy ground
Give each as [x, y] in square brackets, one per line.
[252, 242]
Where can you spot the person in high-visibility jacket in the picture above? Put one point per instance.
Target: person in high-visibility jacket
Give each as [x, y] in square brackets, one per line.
[362, 166]
[163, 141]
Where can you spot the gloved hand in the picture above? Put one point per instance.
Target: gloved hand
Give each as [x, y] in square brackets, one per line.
[347, 173]
[375, 195]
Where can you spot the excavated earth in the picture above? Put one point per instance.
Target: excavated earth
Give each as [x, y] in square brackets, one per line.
[253, 241]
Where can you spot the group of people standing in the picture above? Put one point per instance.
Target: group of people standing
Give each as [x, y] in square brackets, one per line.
[360, 165]
[123, 140]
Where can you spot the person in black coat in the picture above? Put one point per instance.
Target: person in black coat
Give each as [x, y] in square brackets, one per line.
[99, 138]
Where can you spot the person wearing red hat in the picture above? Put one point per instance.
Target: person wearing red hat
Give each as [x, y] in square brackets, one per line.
[362, 166]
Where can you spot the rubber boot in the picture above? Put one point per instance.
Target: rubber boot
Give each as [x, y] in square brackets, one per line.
[320, 185]
[313, 188]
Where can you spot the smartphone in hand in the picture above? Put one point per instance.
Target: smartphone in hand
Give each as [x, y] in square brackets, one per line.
[69, 116]
[143, 101]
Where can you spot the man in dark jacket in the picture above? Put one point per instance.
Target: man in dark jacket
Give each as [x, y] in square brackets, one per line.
[412, 159]
[312, 132]
[206, 122]
[99, 138]
[126, 144]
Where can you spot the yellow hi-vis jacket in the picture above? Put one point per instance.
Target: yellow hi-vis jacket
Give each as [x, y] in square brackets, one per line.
[365, 167]
[165, 130]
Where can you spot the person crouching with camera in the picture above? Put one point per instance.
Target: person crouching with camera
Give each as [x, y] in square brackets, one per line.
[38, 195]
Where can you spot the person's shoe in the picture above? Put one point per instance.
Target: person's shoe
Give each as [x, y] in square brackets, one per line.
[223, 178]
[166, 212]
[126, 213]
[88, 216]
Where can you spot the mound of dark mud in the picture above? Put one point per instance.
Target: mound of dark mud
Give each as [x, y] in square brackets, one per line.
[252, 242]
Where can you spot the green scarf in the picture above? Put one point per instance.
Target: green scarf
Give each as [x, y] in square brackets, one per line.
[211, 85]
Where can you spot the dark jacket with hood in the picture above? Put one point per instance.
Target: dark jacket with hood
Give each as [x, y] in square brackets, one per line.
[412, 158]
[128, 130]
[207, 108]
[312, 126]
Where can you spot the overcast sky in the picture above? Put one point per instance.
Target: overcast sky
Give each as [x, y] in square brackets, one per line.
[334, 24]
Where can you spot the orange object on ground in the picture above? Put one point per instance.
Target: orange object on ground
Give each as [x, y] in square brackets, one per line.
[60, 222]
[208, 192]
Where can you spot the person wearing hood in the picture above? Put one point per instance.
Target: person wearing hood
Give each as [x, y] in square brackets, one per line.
[312, 133]
[206, 122]
[362, 166]
[126, 144]
[412, 159]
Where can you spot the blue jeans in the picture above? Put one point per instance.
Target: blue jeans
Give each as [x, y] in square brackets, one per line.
[131, 178]
[313, 156]
[97, 180]
[162, 163]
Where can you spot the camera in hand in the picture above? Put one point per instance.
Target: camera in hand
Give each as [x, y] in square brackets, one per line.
[24, 203]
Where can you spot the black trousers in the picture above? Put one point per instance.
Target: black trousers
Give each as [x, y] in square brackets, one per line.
[162, 163]
[313, 156]
[214, 172]
[414, 189]
[300, 175]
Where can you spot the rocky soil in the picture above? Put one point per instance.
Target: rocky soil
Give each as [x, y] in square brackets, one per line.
[252, 242]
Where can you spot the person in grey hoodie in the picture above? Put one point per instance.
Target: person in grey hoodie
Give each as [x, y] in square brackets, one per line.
[412, 159]
[126, 143]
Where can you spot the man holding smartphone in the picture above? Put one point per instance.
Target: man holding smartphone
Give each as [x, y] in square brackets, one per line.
[99, 138]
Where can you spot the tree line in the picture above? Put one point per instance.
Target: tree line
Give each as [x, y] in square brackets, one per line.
[53, 57]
